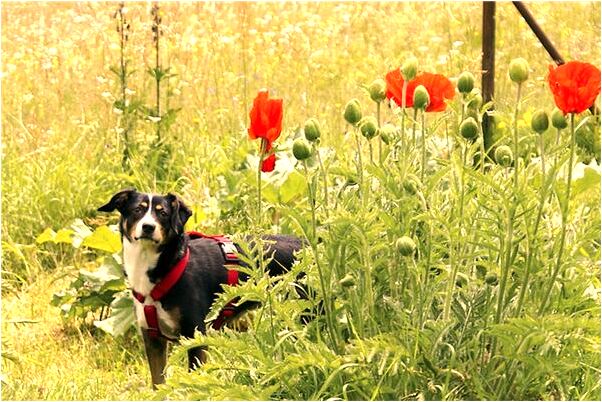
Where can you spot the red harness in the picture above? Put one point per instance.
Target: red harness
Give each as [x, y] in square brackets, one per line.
[174, 275]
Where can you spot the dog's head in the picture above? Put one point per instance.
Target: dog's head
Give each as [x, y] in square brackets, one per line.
[151, 218]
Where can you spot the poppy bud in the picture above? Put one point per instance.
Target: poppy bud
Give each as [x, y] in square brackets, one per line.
[558, 119]
[405, 246]
[461, 280]
[387, 133]
[411, 184]
[469, 129]
[503, 155]
[540, 121]
[377, 90]
[475, 99]
[311, 129]
[369, 127]
[301, 149]
[347, 281]
[421, 97]
[518, 70]
[465, 82]
[491, 279]
[409, 69]
[353, 111]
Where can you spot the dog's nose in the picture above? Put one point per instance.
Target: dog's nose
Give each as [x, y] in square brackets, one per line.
[147, 228]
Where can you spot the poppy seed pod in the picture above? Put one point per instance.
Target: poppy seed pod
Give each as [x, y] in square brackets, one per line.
[311, 129]
[558, 119]
[405, 246]
[540, 121]
[369, 127]
[469, 129]
[301, 149]
[491, 279]
[411, 184]
[475, 100]
[421, 97]
[409, 69]
[465, 82]
[518, 71]
[503, 155]
[347, 281]
[353, 111]
[387, 133]
[377, 90]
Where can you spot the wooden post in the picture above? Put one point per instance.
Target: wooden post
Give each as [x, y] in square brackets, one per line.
[488, 67]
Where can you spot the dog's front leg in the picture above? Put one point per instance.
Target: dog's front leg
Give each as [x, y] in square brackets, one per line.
[156, 353]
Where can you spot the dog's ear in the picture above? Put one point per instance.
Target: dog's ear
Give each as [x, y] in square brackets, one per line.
[118, 201]
[179, 214]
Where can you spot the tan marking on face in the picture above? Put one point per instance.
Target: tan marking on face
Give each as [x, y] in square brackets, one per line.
[159, 207]
[144, 204]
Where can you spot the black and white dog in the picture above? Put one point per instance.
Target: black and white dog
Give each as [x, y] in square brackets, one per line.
[157, 253]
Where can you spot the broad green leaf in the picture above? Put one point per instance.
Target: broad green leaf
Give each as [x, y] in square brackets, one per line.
[122, 316]
[103, 239]
[293, 187]
[589, 181]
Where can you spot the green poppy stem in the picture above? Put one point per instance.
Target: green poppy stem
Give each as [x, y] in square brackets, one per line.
[262, 148]
[423, 146]
[565, 213]
[380, 145]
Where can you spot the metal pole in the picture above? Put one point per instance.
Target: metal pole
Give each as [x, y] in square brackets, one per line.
[488, 67]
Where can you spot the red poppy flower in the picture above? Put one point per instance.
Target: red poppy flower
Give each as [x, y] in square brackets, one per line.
[266, 117]
[437, 85]
[268, 163]
[266, 123]
[575, 86]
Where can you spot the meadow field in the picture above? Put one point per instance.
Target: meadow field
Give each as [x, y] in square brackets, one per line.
[441, 277]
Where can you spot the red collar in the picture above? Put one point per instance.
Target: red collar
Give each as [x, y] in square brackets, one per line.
[174, 275]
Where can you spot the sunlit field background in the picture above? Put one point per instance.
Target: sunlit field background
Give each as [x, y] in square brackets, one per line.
[62, 150]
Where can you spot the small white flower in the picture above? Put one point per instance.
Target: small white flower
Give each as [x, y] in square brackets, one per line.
[154, 119]
[106, 95]
[129, 91]
[100, 79]
[119, 130]
[117, 111]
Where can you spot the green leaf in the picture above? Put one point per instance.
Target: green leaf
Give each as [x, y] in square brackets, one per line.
[589, 181]
[103, 239]
[122, 316]
[293, 187]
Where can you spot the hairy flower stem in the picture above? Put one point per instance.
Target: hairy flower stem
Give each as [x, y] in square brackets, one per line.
[360, 168]
[262, 149]
[506, 247]
[158, 75]
[515, 132]
[313, 241]
[324, 180]
[414, 126]
[565, 213]
[380, 145]
[404, 89]
[423, 166]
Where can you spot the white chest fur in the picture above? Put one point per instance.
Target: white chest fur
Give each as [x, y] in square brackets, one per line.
[138, 258]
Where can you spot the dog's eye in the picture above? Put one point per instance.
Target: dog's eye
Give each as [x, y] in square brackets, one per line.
[138, 209]
[162, 213]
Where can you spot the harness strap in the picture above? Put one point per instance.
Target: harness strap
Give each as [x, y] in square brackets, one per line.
[173, 276]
